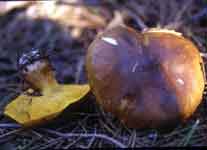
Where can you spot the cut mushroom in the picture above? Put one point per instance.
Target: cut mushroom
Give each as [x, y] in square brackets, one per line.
[29, 109]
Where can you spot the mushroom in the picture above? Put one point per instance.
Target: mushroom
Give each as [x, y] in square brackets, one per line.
[31, 109]
[148, 79]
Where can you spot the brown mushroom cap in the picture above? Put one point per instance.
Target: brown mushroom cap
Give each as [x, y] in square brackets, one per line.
[150, 79]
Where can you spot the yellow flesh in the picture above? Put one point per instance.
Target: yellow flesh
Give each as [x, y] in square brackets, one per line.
[28, 110]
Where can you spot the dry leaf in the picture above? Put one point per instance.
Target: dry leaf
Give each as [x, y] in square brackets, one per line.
[7, 6]
[74, 16]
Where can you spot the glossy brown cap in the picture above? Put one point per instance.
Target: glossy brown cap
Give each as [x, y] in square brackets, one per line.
[150, 79]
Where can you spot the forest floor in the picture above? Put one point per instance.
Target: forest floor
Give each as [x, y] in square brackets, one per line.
[64, 29]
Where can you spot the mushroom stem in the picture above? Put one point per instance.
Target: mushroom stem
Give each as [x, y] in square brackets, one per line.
[41, 76]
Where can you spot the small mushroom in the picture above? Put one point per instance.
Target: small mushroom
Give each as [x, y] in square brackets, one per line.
[147, 79]
[29, 109]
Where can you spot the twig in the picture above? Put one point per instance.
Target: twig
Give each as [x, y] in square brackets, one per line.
[138, 20]
[46, 144]
[51, 143]
[79, 70]
[132, 139]
[108, 128]
[186, 140]
[107, 119]
[194, 18]
[29, 145]
[200, 14]
[91, 142]
[72, 143]
[101, 136]
[182, 11]
[9, 125]
[134, 11]
[9, 133]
